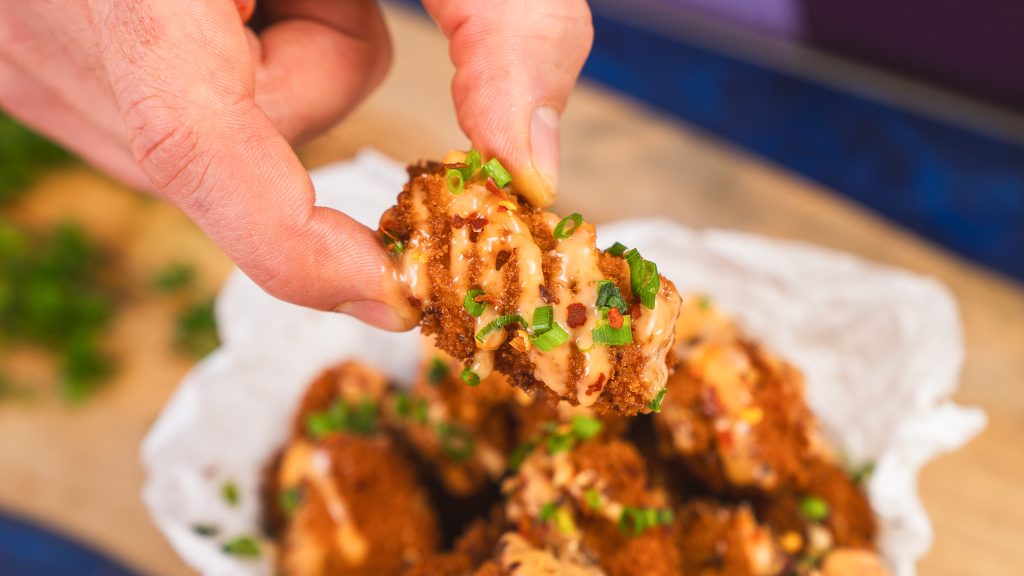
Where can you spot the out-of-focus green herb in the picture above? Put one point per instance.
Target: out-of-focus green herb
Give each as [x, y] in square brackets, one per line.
[23, 157]
[243, 546]
[50, 295]
[196, 333]
[229, 491]
[173, 278]
[205, 530]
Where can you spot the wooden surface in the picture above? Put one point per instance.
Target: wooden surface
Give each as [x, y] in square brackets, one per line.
[78, 469]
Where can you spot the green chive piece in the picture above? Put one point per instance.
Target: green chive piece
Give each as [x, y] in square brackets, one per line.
[174, 278]
[643, 278]
[473, 307]
[397, 247]
[636, 521]
[499, 323]
[542, 319]
[229, 491]
[318, 425]
[608, 296]
[604, 334]
[290, 499]
[473, 162]
[550, 339]
[205, 530]
[863, 474]
[616, 249]
[497, 172]
[586, 427]
[561, 233]
[558, 443]
[659, 397]
[411, 407]
[456, 441]
[547, 511]
[340, 416]
[456, 183]
[592, 498]
[469, 377]
[665, 516]
[519, 453]
[564, 521]
[814, 508]
[438, 371]
[243, 546]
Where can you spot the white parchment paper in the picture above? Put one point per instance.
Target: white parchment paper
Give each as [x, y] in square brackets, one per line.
[881, 349]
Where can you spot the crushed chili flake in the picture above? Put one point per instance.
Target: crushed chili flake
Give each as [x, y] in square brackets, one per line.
[596, 386]
[614, 318]
[546, 295]
[485, 298]
[521, 342]
[725, 439]
[493, 187]
[458, 221]
[477, 222]
[506, 206]
[577, 315]
[501, 259]
[710, 403]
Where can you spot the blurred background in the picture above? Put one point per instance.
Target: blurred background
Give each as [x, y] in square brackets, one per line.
[890, 130]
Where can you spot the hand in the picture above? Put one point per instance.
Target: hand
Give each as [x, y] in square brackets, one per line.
[181, 99]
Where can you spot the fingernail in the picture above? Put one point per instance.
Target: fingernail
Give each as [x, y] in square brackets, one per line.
[544, 143]
[375, 313]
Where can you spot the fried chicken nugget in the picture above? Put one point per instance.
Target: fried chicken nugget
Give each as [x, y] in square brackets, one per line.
[588, 502]
[503, 285]
[719, 540]
[341, 495]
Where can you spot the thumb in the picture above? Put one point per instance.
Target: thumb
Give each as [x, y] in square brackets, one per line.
[515, 65]
[184, 79]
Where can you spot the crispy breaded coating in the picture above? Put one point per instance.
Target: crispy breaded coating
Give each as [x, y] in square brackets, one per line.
[591, 504]
[720, 540]
[464, 433]
[488, 244]
[341, 496]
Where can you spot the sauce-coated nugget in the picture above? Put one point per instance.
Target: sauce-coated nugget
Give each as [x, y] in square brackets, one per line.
[506, 286]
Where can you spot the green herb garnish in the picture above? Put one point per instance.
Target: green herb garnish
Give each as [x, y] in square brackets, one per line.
[566, 226]
[550, 339]
[471, 378]
[455, 181]
[205, 530]
[635, 521]
[643, 278]
[616, 249]
[173, 278]
[341, 416]
[814, 508]
[473, 307]
[290, 500]
[608, 296]
[242, 546]
[499, 323]
[659, 397]
[438, 371]
[196, 333]
[411, 407]
[604, 334]
[456, 441]
[592, 498]
[497, 172]
[229, 492]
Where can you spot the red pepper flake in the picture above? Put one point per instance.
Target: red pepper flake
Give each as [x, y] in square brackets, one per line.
[614, 318]
[476, 225]
[485, 298]
[501, 259]
[577, 315]
[710, 403]
[546, 295]
[725, 439]
[458, 221]
[493, 187]
[596, 386]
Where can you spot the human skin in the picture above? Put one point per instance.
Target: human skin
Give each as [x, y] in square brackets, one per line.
[183, 100]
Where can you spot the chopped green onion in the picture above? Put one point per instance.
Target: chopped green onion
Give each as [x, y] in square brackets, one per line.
[655, 403]
[586, 427]
[397, 247]
[411, 407]
[616, 249]
[318, 425]
[608, 296]
[558, 443]
[244, 546]
[497, 172]
[814, 508]
[564, 521]
[473, 307]
[519, 453]
[605, 334]
[438, 371]
[360, 419]
[205, 530]
[643, 278]
[229, 491]
[174, 278]
[561, 233]
[863, 474]
[290, 500]
[456, 441]
[469, 377]
[499, 323]
[592, 498]
[542, 319]
[547, 511]
[473, 162]
[636, 521]
[456, 183]
[551, 339]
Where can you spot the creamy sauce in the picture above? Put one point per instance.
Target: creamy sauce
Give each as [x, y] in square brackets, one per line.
[305, 463]
[473, 254]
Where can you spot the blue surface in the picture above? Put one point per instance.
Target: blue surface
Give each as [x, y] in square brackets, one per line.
[961, 189]
[29, 550]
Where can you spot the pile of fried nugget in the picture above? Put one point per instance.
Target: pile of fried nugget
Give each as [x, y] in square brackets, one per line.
[730, 476]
